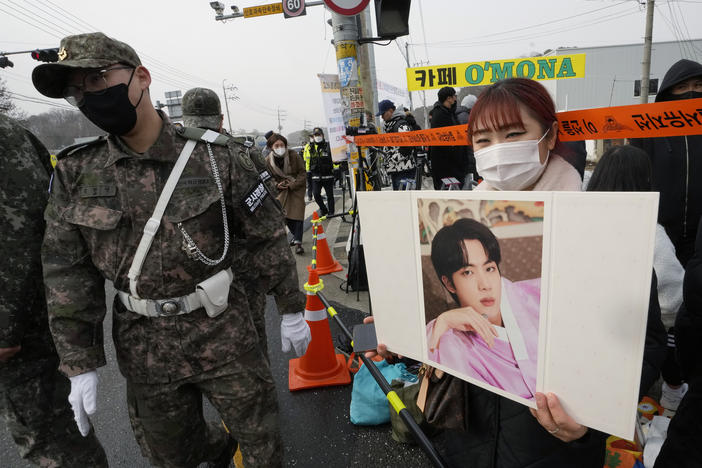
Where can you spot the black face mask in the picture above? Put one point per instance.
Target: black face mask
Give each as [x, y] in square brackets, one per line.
[111, 110]
[687, 95]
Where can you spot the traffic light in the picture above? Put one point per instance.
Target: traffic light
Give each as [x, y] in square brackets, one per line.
[45, 55]
[391, 17]
[5, 62]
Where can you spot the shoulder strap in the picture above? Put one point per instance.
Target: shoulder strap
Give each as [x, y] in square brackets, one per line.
[154, 222]
[210, 136]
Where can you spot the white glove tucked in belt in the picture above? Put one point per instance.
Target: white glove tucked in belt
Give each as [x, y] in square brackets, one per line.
[83, 399]
[295, 331]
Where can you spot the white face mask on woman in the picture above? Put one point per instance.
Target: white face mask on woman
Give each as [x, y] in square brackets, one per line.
[318, 139]
[279, 151]
[511, 166]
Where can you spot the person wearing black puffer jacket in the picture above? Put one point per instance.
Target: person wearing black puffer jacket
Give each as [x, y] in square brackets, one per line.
[447, 161]
[683, 445]
[677, 163]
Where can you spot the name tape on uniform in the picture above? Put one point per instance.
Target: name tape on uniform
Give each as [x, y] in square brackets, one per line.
[254, 197]
[490, 71]
[660, 119]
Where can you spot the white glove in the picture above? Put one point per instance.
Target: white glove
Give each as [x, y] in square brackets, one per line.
[83, 398]
[295, 331]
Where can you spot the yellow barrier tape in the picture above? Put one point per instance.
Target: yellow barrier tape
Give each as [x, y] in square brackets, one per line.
[395, 401]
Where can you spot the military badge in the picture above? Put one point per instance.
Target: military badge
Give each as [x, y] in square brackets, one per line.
[246, 162]
[62, 54]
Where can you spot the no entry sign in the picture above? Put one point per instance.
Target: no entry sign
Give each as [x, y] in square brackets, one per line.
[347, 7]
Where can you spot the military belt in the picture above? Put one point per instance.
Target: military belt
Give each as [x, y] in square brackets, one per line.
[160, 307]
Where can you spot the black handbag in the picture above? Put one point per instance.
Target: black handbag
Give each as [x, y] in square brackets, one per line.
[442, 399]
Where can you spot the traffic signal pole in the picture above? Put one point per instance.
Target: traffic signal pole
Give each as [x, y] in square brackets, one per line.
[345, 29]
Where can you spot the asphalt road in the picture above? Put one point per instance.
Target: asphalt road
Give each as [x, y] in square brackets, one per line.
[314, 423]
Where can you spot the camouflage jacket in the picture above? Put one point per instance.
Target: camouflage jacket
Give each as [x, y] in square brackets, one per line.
[103, 193]
[24, 181]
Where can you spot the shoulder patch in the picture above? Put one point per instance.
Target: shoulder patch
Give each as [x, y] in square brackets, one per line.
[69, 150]
[245, 161]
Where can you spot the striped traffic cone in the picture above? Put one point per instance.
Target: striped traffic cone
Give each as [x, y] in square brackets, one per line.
[319, 366]
[321, 255]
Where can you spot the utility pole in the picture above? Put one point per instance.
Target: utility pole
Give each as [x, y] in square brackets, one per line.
[226, 101]
[408, 66]
[646, 63]
[280, 125]
[352, 96]
[366, 63]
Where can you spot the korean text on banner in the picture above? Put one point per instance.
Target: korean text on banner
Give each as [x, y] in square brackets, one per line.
[659, 119]
[490, 71]
[331, 99]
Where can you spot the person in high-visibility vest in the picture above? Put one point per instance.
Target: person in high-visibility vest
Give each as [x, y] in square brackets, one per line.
[306, 157]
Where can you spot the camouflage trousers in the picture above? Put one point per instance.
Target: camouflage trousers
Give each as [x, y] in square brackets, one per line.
[40, 419]
[257, 305]
[169, 424]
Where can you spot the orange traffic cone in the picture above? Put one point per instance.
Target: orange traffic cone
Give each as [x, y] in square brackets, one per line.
[319, 367]
[324, 260]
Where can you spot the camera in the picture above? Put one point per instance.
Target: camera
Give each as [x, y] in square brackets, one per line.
[355, 131]
[218, 7]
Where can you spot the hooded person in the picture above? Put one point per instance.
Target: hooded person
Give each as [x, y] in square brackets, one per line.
[463, 111]
[399, 160]
[677, 163]
[447, 161]
[462, 114]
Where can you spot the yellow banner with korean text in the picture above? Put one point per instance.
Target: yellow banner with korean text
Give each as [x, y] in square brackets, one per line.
[555, 67]
[660, 119]
[262, 10]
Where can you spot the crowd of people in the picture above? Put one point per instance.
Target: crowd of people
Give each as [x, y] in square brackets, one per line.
[188, 224]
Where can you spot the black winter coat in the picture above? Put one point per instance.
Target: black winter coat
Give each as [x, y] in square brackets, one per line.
[683, 446]
[321, 164]
[676, 164]
[447, 161]
[503, 434]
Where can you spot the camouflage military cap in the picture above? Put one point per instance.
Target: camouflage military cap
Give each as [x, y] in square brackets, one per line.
[201, 108]
[91, 50]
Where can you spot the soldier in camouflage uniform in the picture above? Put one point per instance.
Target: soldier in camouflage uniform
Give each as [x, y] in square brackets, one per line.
[33, 394]
[201, 108]
[170, 349]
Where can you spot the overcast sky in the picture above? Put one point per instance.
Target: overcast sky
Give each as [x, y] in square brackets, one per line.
[274, 61]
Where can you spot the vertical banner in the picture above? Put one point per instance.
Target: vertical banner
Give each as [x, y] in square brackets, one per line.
[351, 92]
[331, 100]
[398, 96]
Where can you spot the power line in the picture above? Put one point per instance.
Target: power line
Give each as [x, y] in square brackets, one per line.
[501, 33]
[47, 24]
[24, 97]
[597, 21]
[28, 23]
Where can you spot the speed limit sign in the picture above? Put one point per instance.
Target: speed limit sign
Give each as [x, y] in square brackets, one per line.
[292, 8]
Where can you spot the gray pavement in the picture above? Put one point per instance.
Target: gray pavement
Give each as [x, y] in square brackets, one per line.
[314, 423]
